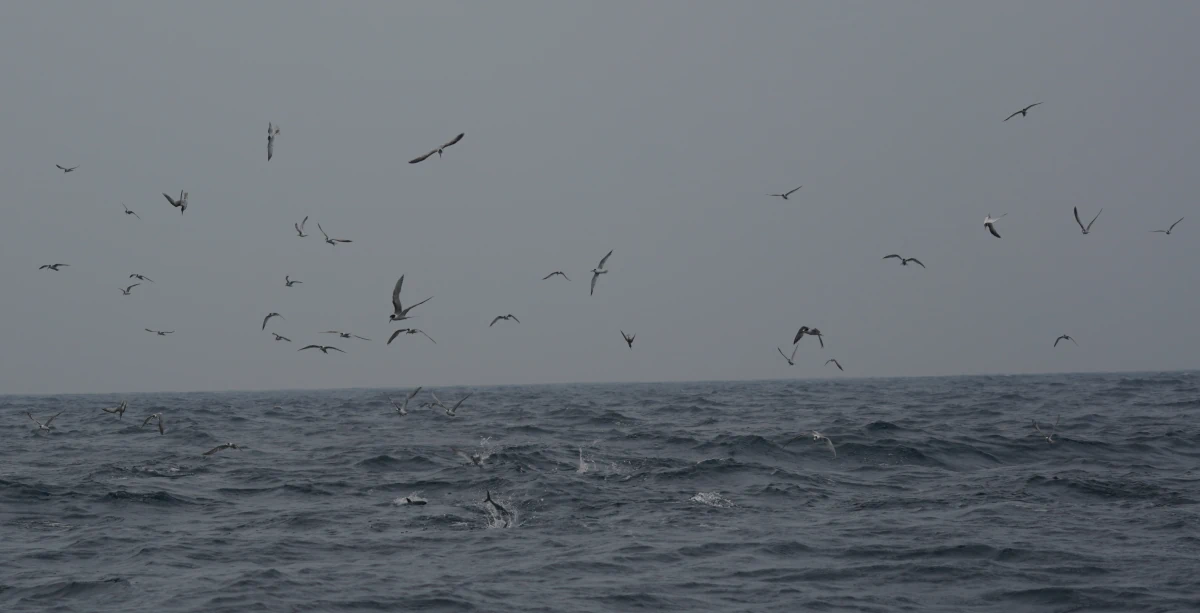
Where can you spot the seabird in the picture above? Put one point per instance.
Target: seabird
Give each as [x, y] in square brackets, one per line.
[332, 241]
[557, 272]
[268, 318]
[817, 436]
[438, 150]
[44, 426]
[161, 425]
[505, 318]
[181, 204]
[401, 313]
[66, 170]
[597, 271]
[126, 290]
[1168, 230]
[1064, 337]
[161, 332]
[281, 338]
[300, 227]
[345, 334]
[811, 332]
[118, 410]
[52, 266]
[1049, 438]
[450, 411]
[287, 280]
[785, 195]
[220, 447]
[129, 212]
[409, 331]
[1087, 228]
[989, 222]
[323, 348]
[272, 132]
[790, 360]
[403, 408]
[141, 277]
[1022, 112]
[903, 261]
[473, 458]
[835, 363]
[628, 338]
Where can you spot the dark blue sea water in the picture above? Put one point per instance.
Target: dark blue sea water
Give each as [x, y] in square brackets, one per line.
[689, 497]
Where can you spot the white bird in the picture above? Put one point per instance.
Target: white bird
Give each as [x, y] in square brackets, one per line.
[790, 360]
[903, 261]
[835, 363]
[817, 436]
[1049, 438]
[53, 267]
[438, 150]
[272, 132]
[785, 194]
[1064, 337]
[403, 408]
[300, 226]
[129, 212]
[161, 332]
[450, 411]
[1087, 228]
[332, 241]
[505, 318]
[323, 348]
[220, 447]
[1168, 230]
[409, 331]
[66, 170]
[989, 222]
[181, 204]
[399, 312]
[118, 410]
[599, 270]
[1021, 112]
[628, 338]
[281, 338]
[44, 426]
[162, 428]
[287, 280]
[268, 318]
[126, 290]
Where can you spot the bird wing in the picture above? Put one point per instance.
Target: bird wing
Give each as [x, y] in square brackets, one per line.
[33, 418]
[991, 228]
[149, 330]
[782, 353]
[454, 140]
[1076, 209]
[396, 294]
[1174, 224]
[548, 276]
[594, 277]
[361, 337]
[1031, 106]
[270, 148]
[336, 349]
[459, 403]
[215, 449]
[427, 336]
[132, 286]
[420, 303]
[422, 158]
[514, 318]
[793, 191]
[322, 231]
[147, 420]
[267, 318]
[821, 339]
[60, 167]
[161, 426]
[894, 255]
[394, 335]
[1039, 430]
[1056, 341]
[605, 259]
[917, 261]
[1073, 341]
[795, 348]
[799, 334]
[170, 199]
[498, 318]
[283, 337]
[829, 444]
[1089, 226]
[1013, 115]
[309, 347]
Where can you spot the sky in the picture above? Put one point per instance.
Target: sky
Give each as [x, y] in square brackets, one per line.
[654, 129]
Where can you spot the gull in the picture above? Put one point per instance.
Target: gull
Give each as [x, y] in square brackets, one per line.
[903, 261]
[1087, 228]
[599, 270]
[268, 318]
[281, 338]
[1168, 230]
[409, 331]
[44, 426]
[300, 227]
[401, 313]
[989, 222]
[287, 280]
[505, 318]
[450, 411]
[628, 338]
[181, 204]
[161, 426]
[557, 272]
[1022, 112]
[332, 241]
[1064, 337]
[53, 267]
[126, 290]
[1049, 438]
[141, 277]
[784, 195]
[323, 348]
[129, 212]
[403, 408]
[835, 363]
[345, 334]
[811, 332]
[161, 332]
[817, 436]
[66, 170]
[438, 150]
[118, 410]
[790, 360]
[473, 458]
[272, 132]
[220, 447]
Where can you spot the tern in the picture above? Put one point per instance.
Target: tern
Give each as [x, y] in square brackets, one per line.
[66, 170]
[784, 195]
[118, 410]
[220, 447]
[268, 318]
[628, 338]
[473, 458]
[505, 318]
[345, 334]
[141, 277]
[835, 363]
[126, 290]
[323, 348]
[557, 272]
[129, 212]
[400, 313]
[990, 223]
[272, 132]
[181, 204]
[403, 408]
[162, 428]
[1022, 112]
[53, 267]
[44, 426]
[1088, 228]
[332, 241]
[1049, 438]
[161, 332]
[790, 360]
[287, 280]
[817, 436]
[811, 332]
[1064, 337]
[450, 411]
[409, 331]
[599, 270]
[1168, 230]
[281, 338]
[438, 150]
[300, 227]
[903, 261]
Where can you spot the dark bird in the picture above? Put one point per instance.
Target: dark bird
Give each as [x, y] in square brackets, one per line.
[628, 338]
[51, 266]
[181, 204]
[1087, 228]
[1168, 230]
[272, 132]
[127, 289]
[790, 360]
[345, 335]
[811, 332]
[323, 348]
[904, 261]
[332, 241]
[161, 332]
[557, 272]
[118, 410]
[786, 194]
[399, 312]
[268, 318]
[990, 223]
[162, 427]
[44, 426]
[221, 446]
[281, 338]
[599, 270]
[66, 170]
[1022, 112]
[835, 363]
[141, 277]
[1064, 337]
[1049, 437]
[300, 226]
[408, 331]
[129, 212]
[505, 318]
[438, 150]
[288, 281]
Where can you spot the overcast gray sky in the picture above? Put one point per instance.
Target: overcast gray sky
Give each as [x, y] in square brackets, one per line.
[655, 129]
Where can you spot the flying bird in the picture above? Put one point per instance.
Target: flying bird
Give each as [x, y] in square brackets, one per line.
[400, 313]
[323, 348]
[162, 428]
[1064, 337]
[438, 150]
[161, 332]
[450, 411]
[118, 410]
[786, 194]
[288, 281]
[66, 170]
[1087, 228]
[409, 331]
[1168, 230]
[272, 132]
[403, 408]
[1049, 437]
[181, 204]
[345, 334]
[505, 318]
[127, 289]
[300, 226]
[141, 277]
[1022, 112]
[129, 212]
[44, 426]
[268, 318]
[903, 261]
[835, 363]
[811, 332]
[990, 223]
[281, 338]
[53, 267]
[597, 271]
[332, 241]
[817, 436]
[557, 272]
[220, 447]
[790, 360]
[628, 338]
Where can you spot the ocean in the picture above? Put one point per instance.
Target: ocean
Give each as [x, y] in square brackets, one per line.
[613, 497]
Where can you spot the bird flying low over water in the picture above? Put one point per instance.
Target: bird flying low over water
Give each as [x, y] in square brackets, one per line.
[1023, 112]
[811, 332]
[129, 212]
[409, 331]
[118, 410]
[438, 150]
[162, 428]
[272, 132]
[557, 272]
[903, 261]
[505, 318]
[403, 408]
[44, 426]
[450, 410]
[281, 338]
[126, 290]
[161, 332]
[322, 348]
[345, 334]
[141, 277]
[817, 436]
[181, 204]
[53, 267]
[790, 360]
[1088, 228]
[1049, 437]
[300, 226]
[399, 312]
[1064, 338]
[220, 447]
[599, 270]
[332, 241]
[65, 169]
[835, 363]
[1168, 230]
[990, 223]
[628, 338]
[268, 318]
[785, 194]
